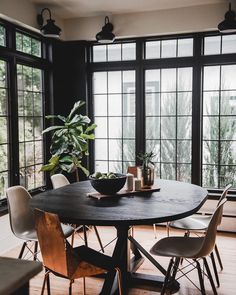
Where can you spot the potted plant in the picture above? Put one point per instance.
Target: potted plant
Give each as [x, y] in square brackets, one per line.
[69, 142]
[146, 170]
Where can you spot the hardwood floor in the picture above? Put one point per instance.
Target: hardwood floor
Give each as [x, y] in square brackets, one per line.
[144, 234]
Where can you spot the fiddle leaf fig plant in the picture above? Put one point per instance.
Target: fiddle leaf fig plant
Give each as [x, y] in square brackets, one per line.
[70, 141]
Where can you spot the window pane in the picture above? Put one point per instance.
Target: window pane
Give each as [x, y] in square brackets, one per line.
[168, 104]
[168, 127]
[152, 81]
[129, 104]
[100, 83]
[128, 82]
[101, 130]
[153, 49]
[128, 51]
[114, 105]
[211, 128]
[184, 151]
[114, 52]
[168, 80]
[184, 172]
[228, 81]
[184, 125]
[211, 103]
[210, 176]
[168, 171]
[212, 45]
[184, 79]
[2, 36]
[115, 127]
[129, 150]
[229, 44]
[27, 44]
[99, 53]
[185, 47]
[100, 105]
[129, 127]
[210, 152]
[212, 78]
[184, 103]
[115, 149]
[228, 103]
[114, 82]
[153, 104]
[152, 127]
[168, 48]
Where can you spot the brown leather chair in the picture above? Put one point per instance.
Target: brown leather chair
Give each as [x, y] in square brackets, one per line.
[61, 259]
[22, 219]
[59, 180]
[194, 248]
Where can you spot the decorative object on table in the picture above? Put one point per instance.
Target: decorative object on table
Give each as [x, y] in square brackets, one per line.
[130, 182]
[137, 184]
[107, 183]
[69, 142]
[146, 171]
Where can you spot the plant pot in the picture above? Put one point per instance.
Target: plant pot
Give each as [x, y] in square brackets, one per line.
[147, 177]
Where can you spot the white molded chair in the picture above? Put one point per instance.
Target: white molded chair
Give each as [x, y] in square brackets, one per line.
[22, 220]
[194, 248]
[59, 180]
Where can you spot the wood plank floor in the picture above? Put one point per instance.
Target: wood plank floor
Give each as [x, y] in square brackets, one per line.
[145, 235]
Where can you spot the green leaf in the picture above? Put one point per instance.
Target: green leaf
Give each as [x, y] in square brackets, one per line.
[86, 172]
[88, 136]
[90, 128]
[66, 159]
[52, 128]
[76, 106]
[68, 167]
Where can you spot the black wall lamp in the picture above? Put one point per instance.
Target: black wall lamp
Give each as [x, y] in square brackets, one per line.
[106, 35]
[50, 29]
[228, 25]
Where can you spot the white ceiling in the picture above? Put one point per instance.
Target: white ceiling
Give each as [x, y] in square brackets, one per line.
[66, 9]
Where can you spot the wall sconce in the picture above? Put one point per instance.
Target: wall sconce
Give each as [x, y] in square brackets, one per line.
[50, 29]
[106, 35]
[228, 25]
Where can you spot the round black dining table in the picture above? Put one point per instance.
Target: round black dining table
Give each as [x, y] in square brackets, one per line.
[173, 201]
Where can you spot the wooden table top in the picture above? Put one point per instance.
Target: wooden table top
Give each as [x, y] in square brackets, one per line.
[174, 200]
[14, 273]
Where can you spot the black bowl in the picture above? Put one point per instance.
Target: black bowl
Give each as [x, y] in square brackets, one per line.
[108, 186]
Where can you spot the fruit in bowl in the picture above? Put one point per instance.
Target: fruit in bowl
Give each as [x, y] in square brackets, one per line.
[107, 183]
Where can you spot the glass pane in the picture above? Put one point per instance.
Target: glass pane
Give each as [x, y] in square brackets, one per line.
[168, 148]
[184, 79]
[228, 75]
[39, 181]
[168, 48]
[101, 166]
[2, 39]
[115, 166]
[210, 128]
[185, 47]
[21, 127]
[152, 49]
[4, 135]
[100, 105]
[29, 128]
[100, 82]
[38, 152]
[114, 105]
[154, 146]
[152, 128]
[101, 152]
[128, 51]
[128, 127]
[210, 152]
[37, 80]
[38, 104]
[184, 103]
[152, 104]
[129, 82]
[19, 41]
[38, 128]
[36, 47]
[101, 130]
[115, 127]
[211, 103]
[114, 82]
[168, 127]
[228, 128]
[27, 78]
[28, 104]
[212, 78]
[168, 104]
[227, 175]
[4, 157]
[114, 52]
[3, 184]
[168, 171]
[168, 80]
[99, 53]
[3, 102]
[210, 176]
[228, 152]
[115, 149]
[228, 103]
[26, 44]
[229, 44]
[129, 150]
[29, 153]
[152, 80]
[129, 104]
[3, 77]
[22, 154]
[184, 172]
[184, 150]
[212, 45]
[184, 127]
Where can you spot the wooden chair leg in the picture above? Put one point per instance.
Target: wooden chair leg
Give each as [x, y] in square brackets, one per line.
[167, 277]
[44, 281]
[84, 286]
[209, 276]
[73, 238]
[218, 257]
[98, 237]
[200, 278]
[35, 250]
[85, 236]
[48, 284]
[70, 287]
[155, 230]
[22, 250]
[215, 269]
[119, 281]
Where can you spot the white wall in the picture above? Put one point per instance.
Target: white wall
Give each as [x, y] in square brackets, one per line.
[24, 12]
[188, 19]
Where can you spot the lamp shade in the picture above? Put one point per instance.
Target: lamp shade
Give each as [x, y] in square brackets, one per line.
[106, 35]
[49, 29]
[228, 25]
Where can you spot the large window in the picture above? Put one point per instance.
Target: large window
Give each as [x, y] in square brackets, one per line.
[114, 110]
[185, 102]
[3, 129]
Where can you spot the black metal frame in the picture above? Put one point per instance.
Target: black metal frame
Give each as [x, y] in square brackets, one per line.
[197, 62]
[14, 57]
